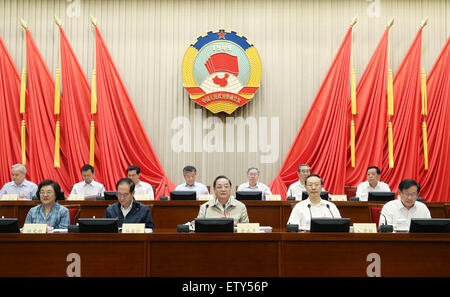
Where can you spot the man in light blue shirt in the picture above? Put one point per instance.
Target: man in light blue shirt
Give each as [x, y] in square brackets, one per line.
[19, 185]
[253, 183]
[189, 173]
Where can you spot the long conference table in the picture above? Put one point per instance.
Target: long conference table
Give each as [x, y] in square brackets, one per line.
[166, 253]
[167, 214]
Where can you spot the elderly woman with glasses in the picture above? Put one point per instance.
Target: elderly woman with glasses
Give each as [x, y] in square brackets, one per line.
[49, 212]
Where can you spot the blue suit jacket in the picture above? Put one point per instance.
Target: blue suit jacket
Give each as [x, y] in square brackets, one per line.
[139, 213]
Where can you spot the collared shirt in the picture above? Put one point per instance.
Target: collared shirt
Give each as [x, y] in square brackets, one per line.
[126, 211]
[200, 188]
[92, 189]
[400, 217]
[259, 187]
[364, 188]
[144, 188]
[296, 189]
[233, 209]
[301, 215]
[137, 213]
[58, 217]
[26, 188]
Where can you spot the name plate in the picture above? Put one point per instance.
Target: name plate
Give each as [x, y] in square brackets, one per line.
[35, 228]
[338, 197]
[133, 228]
[248, 228]
[10, 197]
[143, 197]
[205, 197]
[273, 197]
[364, 228]
[76, 197]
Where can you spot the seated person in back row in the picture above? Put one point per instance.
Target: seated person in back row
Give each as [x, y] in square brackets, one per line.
[253, 184]
[314, 206]
[223, 205]
[140, 187]
[399, 212]
[128, 210]
[372, 184]
[88, 187]
[296, 189]
[49, 212]
[189, 174]
[19, 185]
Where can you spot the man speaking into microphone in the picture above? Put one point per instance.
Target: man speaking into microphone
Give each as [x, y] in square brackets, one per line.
[314, 206]
[223, 205]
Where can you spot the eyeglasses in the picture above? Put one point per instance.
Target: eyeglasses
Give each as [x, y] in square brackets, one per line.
[412, 195]
[48, 193]
[124, 195]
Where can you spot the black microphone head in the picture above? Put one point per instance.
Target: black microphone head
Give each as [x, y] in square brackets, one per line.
[379, 211]
[328, 206]
[309, 205]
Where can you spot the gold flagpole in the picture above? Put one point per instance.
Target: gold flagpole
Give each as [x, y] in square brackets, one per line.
[57, 109]
[423, 77]
[23, 90]
[93, 108]
[353, 101]
[390, 111]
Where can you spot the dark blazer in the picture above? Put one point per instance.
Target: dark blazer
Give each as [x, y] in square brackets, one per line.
[139, 213]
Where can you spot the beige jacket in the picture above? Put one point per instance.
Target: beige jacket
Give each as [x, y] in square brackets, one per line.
[233, 209]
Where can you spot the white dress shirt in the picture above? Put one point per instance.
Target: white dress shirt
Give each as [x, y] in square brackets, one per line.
[92, 189]
[301, 216]
[364, 188]
[26, 189]
[296, 189]
[400, 217]
[259, 187]
[144, 188]
[200, 188]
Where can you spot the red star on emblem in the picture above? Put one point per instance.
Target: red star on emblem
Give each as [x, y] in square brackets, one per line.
[222, 35]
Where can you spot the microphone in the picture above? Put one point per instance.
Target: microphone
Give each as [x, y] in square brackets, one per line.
[328, 206]
[99, 196]
[224, 208]
[385, 228]
[310, 214]
[164, 197]
[206, 206]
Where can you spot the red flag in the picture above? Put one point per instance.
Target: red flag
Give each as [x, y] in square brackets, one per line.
[41, 120]
[76, 112]
[10, 117]
[371, 116]
[122, 140]
[434, 181]
[406, 121]
[322, 140]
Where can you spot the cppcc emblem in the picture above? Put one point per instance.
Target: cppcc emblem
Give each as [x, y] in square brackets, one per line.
[221, 71]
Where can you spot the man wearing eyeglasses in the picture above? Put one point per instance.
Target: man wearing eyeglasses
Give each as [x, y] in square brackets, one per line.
[127, 209]
[296, 189]
[399, 212]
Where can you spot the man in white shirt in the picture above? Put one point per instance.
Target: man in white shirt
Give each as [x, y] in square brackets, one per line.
[372, 184]
[296, 189]
[19, 185]
[140, 187]
[400, 212]
[253, 184]
[88, 187]
[314, 206]
[189, 174]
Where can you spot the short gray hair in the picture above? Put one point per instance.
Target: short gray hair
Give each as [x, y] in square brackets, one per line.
[251, 168]
[21, 167]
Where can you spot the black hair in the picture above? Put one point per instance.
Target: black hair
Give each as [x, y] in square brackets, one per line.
[302, 165]
[134, 167]
[374, 167]
[316, 175]
[56, 187]
[87, 167]
[219, 177]
[189, 169]
[126, 180]
[408, 183]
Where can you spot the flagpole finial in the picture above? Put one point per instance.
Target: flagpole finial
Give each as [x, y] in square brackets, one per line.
[58, 21]
[23, 23]
[424, 22]
[354, 21]
[93, 21]
[391, 22]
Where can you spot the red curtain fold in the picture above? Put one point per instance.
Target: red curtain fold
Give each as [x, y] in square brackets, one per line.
[75, 112]
[406, 121]
[371, 117]
[41, 120]
[122, 140]
[434, 181]
[323, 137]
[10, 117]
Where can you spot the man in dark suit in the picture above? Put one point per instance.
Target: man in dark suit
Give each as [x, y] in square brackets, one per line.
[128, 210]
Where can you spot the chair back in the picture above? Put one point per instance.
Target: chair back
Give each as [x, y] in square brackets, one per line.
[373, 212]
[74, 212]
[447, 209]
[350, 191]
